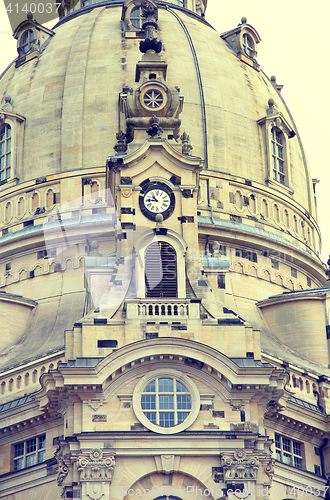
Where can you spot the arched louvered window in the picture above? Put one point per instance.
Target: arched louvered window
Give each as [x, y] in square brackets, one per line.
[161, 270]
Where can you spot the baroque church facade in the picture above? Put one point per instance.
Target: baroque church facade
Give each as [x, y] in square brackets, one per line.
[165, 311]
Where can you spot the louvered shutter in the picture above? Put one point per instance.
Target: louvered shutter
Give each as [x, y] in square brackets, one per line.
[161, 271]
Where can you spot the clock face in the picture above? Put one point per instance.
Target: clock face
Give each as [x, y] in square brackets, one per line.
[156, 198]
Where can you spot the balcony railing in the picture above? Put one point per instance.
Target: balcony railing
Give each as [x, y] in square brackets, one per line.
[163, 308]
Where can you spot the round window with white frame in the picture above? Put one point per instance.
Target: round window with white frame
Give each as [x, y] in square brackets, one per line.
[166, 401]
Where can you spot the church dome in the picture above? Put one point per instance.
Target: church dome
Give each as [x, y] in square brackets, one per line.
[63, 102]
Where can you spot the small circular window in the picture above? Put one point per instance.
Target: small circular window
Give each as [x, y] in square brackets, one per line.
[248, 45]
[153, 98]
[166, 401]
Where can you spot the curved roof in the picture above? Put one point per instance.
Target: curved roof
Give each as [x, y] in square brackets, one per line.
[69, 96]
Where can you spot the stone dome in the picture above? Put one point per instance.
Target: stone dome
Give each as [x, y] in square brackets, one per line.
[255, 194]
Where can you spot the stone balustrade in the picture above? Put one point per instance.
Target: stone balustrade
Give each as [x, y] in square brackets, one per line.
[163, 308]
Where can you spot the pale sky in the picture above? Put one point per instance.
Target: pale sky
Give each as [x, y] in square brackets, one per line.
[295, 47]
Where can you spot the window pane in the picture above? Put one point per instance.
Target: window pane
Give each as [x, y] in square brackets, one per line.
[182, 416]
[278, 455]
[166, 402]
[148, 402]
[183, 402]
[298, 462]
[151, 417]
[19, 464]
[151, 387]
[165, 385]
[31, 445]
[30, 460]
[42, 441]
[41, 456]
[287, 459]
[8, 145]
[180, 387]
[296, 448]
[2, 134]
[8, 131]
[19, 449]
[2, 148]
[166, 419]
[8, 161]
[286, 444]
[278, 137]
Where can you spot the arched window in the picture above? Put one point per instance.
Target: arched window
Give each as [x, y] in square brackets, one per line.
[161, 270]
[136, 17]
[287, 218]
[5, 152]
[248, 45]
[278, 158]
[27, 41]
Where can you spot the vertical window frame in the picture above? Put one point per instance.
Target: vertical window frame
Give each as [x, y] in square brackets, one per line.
[32, 447]
[6, 146]
[289, 451]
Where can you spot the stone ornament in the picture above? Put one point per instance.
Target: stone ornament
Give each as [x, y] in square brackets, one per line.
[237, 404]
[239, 466]
[96, 467]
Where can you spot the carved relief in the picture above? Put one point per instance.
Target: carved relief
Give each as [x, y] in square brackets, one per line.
[239, 466]
[62, 467]
[96, 467]
[237, 404]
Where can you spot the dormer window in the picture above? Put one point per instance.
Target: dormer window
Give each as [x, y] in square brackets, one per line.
[5, 152]
[136, 17]
[244, 40]
[27, 41]
[248, 45]
[278, 159]
[30, 36]
[133, 18]
[277, 133]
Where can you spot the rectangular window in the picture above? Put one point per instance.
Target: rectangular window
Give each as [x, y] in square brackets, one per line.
[293, 272]
[246, 254]
[288, 451]
[275, 264]
[30, 452]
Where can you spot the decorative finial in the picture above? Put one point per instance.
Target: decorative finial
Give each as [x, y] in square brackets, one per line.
[272, 108]
[7, 106]
[150, 27]
[121, 146]
[29, 16]
[154, 130]
[186, 147]
[244, 20]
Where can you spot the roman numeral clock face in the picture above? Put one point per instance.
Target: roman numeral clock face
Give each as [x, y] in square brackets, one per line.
[157, 199]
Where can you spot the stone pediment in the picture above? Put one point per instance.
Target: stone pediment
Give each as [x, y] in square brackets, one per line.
[158, 153]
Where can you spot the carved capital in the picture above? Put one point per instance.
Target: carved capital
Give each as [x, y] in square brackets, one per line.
[95, 467]
[239, 466]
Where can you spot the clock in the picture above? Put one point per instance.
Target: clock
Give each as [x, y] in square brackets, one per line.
[156, 198]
